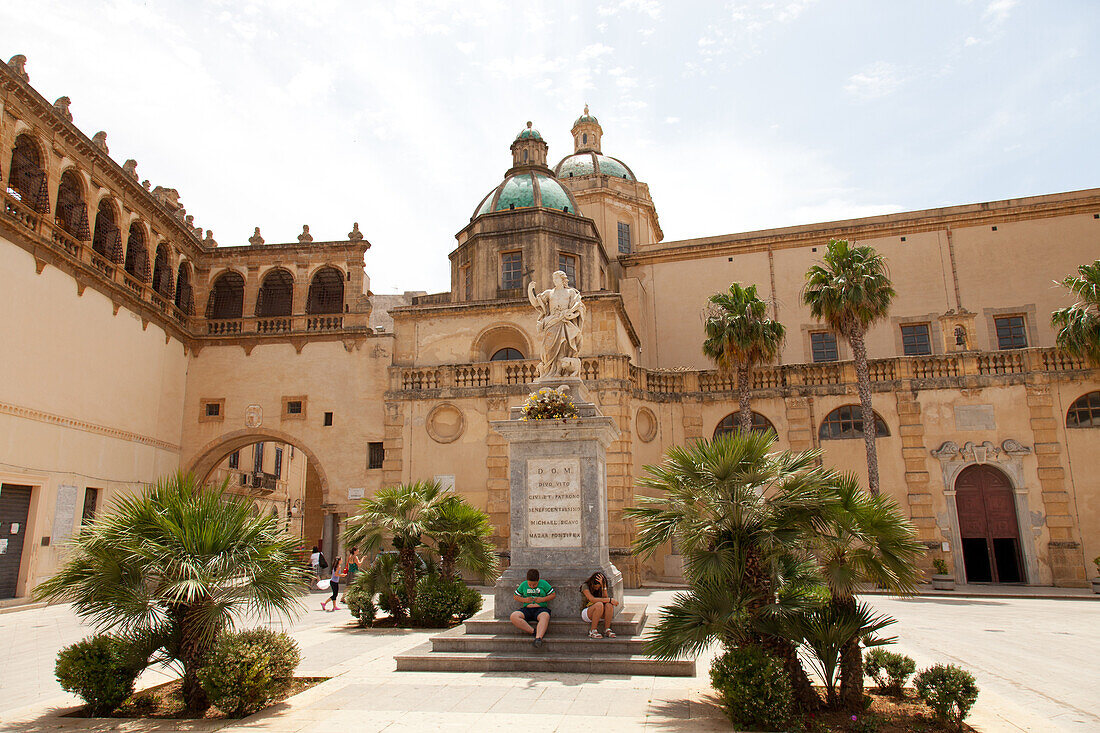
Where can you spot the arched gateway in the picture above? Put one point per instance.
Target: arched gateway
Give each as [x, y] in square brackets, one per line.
[988, 530]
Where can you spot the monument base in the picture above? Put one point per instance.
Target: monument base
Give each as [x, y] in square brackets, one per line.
[566, 582]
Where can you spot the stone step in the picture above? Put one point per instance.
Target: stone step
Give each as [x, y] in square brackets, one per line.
[561, 643]
[423, 659]
[628, 622]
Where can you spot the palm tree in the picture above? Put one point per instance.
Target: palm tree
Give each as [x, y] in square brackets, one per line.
[739, 336]
[741, 516]
[176, 565]
[864, 539]
[1079, 325]
[463, 536]
[849, 291]
[402, 513]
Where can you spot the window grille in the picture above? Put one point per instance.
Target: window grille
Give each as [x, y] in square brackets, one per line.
[1084, 412]
[823, 346]
[846, 423]
[729, 423]
[91, 499]
[568, 265]
[278, 463]
[326, 292]
[72, 212]
[294, 407]
[226, 297]
[213, 409]
[624, 237]
[258, 458]
[27, 177]
[137, 256]
[162, 275]
[506, 354]
[1011, 333]
[915, 339]
[276, 294]
[468, 282]
[107, 239]
[185, 293]
[511, 270]
[235, 459]
[376, 455]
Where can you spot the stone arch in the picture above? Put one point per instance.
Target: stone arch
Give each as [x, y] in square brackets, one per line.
[137, 250]
[989, 539]
[729, 423]
[26, 171]
[71, 211]
[326, 294]
[226, 298]
[185, 291]
[163, 281]
[497, 336]
[107, 234]
[276, 295]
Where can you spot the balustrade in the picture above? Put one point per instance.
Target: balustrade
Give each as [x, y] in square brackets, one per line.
[1001, 362]
[324, 323]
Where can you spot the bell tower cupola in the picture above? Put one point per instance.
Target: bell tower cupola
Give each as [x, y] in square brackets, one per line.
[529, 148]
[586, 133]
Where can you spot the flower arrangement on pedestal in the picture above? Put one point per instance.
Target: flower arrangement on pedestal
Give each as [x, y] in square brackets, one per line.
[548, 404]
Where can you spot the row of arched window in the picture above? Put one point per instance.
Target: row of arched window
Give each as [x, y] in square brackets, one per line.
[846, 421]
[27, 182]
[276, 296]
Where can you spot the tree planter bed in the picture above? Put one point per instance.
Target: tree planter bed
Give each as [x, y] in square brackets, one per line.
[886, 714]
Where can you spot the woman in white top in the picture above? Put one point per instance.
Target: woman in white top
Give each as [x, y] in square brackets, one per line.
[334, 585]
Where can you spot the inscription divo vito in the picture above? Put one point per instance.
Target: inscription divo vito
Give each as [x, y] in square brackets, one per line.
[553, 502]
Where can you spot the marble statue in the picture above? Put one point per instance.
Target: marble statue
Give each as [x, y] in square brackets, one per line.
[561, 321]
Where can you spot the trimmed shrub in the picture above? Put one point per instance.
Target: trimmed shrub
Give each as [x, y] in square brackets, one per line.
[948, 690]
[360, 600]
[753, 687]
[889, 670]
[101, 670]
[248, 669]
[439, 602]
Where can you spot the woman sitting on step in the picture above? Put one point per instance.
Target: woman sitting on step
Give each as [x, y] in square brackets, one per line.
[597, 604]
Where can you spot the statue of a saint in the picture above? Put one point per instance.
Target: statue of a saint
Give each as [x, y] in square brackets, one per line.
[561, 320]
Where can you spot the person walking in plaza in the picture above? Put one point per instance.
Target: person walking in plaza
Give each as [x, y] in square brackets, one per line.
[534, 595]
[317, 562]
[597, 604]
[334, 585]
[353, 569]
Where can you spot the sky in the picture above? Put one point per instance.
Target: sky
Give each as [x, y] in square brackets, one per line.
[739, 115]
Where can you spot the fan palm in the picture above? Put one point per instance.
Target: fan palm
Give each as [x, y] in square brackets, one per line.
[1079, 324]
[740, 516]
[174, 566]
[403, 514]
[849, 291]
[739, 336]
[865, 539]
[463, 536]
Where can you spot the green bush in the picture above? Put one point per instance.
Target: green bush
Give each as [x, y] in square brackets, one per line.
[948, 690]
[101, 670]
[248, 669]
[360, 600]
[753, 687]
[889, 670]
[941, 566]
[439, 601]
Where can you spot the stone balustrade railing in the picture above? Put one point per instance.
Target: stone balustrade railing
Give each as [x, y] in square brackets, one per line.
[922, 371]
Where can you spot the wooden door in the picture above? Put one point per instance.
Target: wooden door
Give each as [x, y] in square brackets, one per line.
[987, 526]
[15, 503]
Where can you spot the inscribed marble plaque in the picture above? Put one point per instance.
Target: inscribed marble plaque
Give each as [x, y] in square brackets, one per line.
[64, 514]
[553, 502]
[974, 417]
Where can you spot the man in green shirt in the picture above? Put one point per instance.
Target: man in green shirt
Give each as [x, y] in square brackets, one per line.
[534, 596]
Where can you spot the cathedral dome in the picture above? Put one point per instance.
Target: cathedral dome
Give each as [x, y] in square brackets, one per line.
[528, 189]
[529, 133]
[591, 163]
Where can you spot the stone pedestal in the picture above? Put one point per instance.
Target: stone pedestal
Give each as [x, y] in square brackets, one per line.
[558, 475]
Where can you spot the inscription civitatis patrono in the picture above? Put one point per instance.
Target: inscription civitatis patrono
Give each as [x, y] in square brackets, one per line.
[553, 502]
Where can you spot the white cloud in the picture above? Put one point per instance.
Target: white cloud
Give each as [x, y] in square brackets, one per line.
[877, 80]
[672, 120]
[971, 41]
[651, 8]
[466, 47]
[998, 10]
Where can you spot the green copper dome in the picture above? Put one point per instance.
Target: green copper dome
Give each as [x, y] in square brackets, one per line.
[528, 190]
[588, 164]
[586, 118]
[529, 133]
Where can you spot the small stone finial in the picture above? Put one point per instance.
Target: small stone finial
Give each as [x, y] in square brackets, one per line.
[355, 235]
[305, 237]
[61, 106]
[189, 220]
[146, 184]
[256, 240]
[100, 140]
[18, 64]
[586, 107]
[209, 241]
[130, 168]
[528, 124]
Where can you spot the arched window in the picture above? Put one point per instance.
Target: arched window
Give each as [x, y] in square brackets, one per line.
[276, 294]
[72, 212]
[107, 239]
[162, 272]
[584, 138]
[226, 297]
[137, 255]
[326, 292]
[846, 423]
[27, 175]
[728, 424]
[185, 293]
[506, 354]
[1084, 412]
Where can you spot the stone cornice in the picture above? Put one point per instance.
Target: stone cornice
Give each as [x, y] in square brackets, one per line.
[245, 253]
[1086, 201]
[28, 413]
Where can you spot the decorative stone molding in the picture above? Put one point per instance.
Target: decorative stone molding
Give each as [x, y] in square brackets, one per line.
[445, 423]
[68, 422]
[253, 416]
[645, 425]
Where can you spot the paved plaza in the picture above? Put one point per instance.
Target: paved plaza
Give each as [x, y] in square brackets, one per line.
[1035, 660]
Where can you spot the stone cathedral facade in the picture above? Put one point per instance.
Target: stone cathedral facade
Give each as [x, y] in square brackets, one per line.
[135, 346]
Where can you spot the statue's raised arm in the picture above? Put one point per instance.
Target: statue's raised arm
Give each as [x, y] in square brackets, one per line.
[534, 299]
[561, 319]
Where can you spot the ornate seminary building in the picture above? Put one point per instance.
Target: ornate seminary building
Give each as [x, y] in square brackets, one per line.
[136, 346]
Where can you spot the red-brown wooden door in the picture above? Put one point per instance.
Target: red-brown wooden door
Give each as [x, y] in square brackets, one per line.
[988, 530]
[15, 502]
